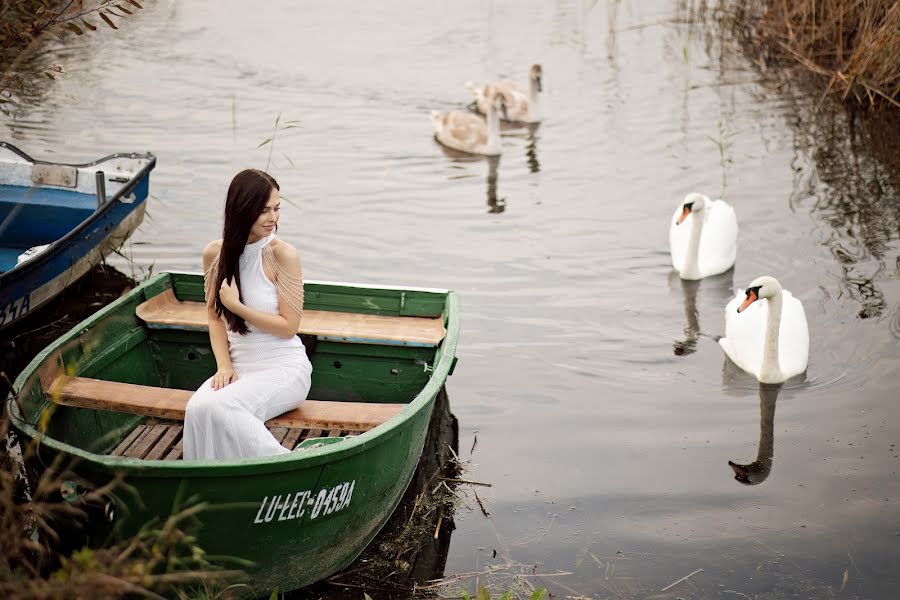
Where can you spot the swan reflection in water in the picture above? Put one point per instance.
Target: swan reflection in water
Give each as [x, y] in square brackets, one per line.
[720, 288]
[531, 148]
[495, 204]
[529, 133]
[757, 471]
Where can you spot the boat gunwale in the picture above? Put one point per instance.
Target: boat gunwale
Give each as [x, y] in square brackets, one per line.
[249, 466]
[57, 246]
[364, 286]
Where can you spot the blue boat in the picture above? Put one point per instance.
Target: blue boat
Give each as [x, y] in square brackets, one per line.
[57, 221]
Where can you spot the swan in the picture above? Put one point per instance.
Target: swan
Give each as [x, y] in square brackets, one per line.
[702, 237]
[470, 133]
[521, 107]
[767, 339]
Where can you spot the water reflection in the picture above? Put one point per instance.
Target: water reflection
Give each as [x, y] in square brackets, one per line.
[527, 132]
[757, 471]
[720, 288]
[846, 167]
[531, 149]
[460, 159]
[495, 205]
[692, 330]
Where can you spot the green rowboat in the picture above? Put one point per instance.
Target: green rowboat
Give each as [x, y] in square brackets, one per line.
[110, 395]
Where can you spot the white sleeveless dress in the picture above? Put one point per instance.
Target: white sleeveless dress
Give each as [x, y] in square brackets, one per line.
[273, 377]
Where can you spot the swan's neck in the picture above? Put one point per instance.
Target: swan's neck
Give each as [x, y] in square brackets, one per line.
[692, 257]
[493, 125]
[770, 370]
[534, 95]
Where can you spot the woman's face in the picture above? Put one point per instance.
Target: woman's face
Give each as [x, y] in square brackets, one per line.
[268, 218]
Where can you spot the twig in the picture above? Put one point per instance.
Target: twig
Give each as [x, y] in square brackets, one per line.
[437, 530]
[362, 587]
[454, 480]
[564, 586]
[483, 509]
[685, 578]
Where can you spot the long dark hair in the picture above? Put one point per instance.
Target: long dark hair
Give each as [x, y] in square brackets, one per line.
[247, 197]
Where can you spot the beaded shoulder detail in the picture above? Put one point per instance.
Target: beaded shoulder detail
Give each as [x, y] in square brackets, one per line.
[290, 287]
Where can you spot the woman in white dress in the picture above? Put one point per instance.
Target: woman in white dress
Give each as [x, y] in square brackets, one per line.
[254, 296]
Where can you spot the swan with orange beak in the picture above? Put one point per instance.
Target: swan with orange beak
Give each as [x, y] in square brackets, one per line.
[702, 237]
[766, 333]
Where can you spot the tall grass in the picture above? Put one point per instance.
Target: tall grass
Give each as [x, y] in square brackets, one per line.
[852, 47]
[44, 530]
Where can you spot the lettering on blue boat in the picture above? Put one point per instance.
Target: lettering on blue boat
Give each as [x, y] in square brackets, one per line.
[293, 505]
[15, 309]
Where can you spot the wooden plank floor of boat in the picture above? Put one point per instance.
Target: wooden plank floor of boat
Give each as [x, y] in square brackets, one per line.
[162, 440]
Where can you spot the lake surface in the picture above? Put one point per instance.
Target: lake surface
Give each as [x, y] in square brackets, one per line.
[604, 412]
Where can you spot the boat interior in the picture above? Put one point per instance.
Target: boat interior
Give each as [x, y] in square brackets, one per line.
[42, 202]
[32, 217]
[121, 387]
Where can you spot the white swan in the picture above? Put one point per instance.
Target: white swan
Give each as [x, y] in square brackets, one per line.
[521, 107]
[702, 237]
[471, 133]
[767, 339]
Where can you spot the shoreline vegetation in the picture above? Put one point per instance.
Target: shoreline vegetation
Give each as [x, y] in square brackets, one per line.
[850, 49]
[25, 24]
[55, 539]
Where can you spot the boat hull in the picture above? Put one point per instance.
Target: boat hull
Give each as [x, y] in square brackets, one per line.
[297, 525]
[296, 518]
[30, 285]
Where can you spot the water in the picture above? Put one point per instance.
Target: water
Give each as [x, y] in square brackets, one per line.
[604, 413]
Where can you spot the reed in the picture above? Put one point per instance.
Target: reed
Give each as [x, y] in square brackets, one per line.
[43, 530]
[852, 47]
[25, 23]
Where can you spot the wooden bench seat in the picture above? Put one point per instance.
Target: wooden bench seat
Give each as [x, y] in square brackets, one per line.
[166, 403]
[165, 311]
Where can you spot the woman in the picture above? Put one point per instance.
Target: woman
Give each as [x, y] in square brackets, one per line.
[254, 297]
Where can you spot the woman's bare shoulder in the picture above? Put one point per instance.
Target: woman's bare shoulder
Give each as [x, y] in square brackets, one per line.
[212, 249]
[284, 252]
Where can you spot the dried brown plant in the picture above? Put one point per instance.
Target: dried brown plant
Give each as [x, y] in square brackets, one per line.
[852, 46]
[42, 553]
[25, 23]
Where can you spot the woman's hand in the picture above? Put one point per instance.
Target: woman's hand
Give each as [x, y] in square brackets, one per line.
[222, 378]
[229, 295]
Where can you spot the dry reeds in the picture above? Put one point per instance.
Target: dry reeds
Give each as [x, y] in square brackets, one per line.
[853, 46]
[42, 551]
[24, 23]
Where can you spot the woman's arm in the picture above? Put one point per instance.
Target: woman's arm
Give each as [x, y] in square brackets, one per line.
[287, 321]
[218, 336]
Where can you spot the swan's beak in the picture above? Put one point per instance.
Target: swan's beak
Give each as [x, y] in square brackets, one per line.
[540, 86]
[751, 298]
[503, 110]
[684, 214]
